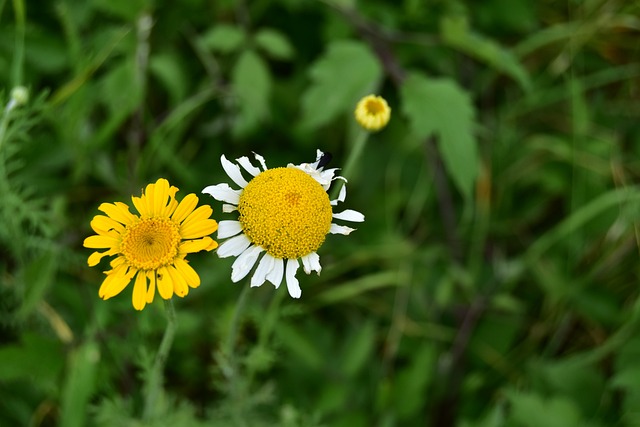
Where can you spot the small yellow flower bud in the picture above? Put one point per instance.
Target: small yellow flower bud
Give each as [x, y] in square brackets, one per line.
[373, 113]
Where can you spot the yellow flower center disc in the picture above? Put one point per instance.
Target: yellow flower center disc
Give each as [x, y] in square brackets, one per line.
[151, 243]
[286, 212]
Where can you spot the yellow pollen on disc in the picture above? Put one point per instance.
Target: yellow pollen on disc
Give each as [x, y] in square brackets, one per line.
[151, 243]
[286, 212]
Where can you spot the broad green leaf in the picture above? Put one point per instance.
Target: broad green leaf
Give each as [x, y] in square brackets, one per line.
[346, 72]
[456, 33]
[440, 107]
[252, 84]
[274, 43]
[167, 69]
[120, 88]
[223, 38]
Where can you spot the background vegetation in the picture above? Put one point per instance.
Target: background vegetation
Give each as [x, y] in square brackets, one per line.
[494, 282]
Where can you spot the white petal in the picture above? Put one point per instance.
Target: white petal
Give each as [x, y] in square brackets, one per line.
[226, 208]
[234, 246]
[264, 268]
[276, 273]
[319, 155]
[338, 229]
[244, 263]
[260, 159]
[330, 173]
[228, 229]
[341, 196]
[311, 263]
[223, 193]
[292, 282]
[346, 215]
[233, 171]
[323, 178]
[246, 164]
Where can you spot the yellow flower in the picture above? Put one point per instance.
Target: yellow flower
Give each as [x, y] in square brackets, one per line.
[284, 213]
[373, 112]
[151, 247]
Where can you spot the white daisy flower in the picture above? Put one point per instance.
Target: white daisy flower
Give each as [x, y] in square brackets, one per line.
[284, 216]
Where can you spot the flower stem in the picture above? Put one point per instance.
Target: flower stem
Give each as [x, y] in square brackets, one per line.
[4, 123]
[235, 321]
[233, 374]
[354, 155]
[154, 384]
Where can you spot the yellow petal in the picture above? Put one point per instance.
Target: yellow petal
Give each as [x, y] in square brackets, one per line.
[188, 273]
[139, 203]
[164, 283]
[179, 285]
[211, 246]
[117, 261]
[191, 246]
[103, 225]
[118, 211]
[139, 297]
[94, 258]
[101, 242]
[196, 229]
[202, 213]
[116, 281]
[186, 206]
[148, 198]
[159, 200]
[152, 286]
[172, 205]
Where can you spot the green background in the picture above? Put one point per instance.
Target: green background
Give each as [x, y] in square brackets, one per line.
[493, 283]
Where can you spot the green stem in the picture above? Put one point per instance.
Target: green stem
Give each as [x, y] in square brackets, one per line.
[154, 386]
[267, 326]
[4, 123]
[235, 388]
[18, 58]
[354, 156]
[235, 321]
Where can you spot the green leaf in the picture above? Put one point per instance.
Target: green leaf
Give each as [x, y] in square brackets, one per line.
[532, 410]
[413, 380]
[303, 347]
[126, 9]
[120, 88]
[274, 43]
[359, 348]
[167, 69]
[223, 38]
[251, 82]
[570, 378]
[38, 277]
[80, 384]
[455, 32]
[345, 73]
[36, 358]
[441, 107]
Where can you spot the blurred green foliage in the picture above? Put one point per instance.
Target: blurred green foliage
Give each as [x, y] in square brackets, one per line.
[494, 282]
